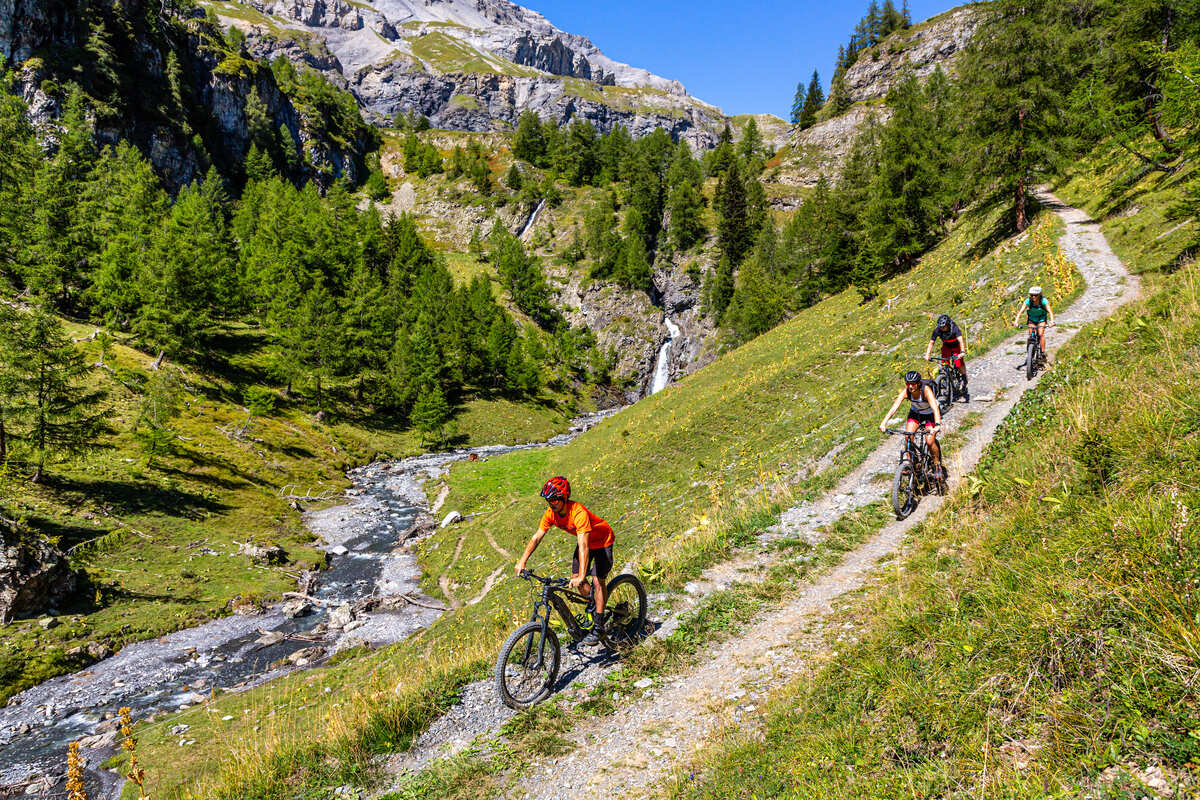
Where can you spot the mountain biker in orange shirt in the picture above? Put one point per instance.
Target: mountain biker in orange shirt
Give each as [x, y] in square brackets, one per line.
[593, 555]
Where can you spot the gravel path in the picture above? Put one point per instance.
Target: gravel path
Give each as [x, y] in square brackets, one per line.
[647, 737]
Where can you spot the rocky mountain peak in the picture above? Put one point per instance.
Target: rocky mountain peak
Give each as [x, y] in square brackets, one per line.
[471, 64]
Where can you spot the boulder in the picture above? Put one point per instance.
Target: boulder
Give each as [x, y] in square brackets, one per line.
[422, 526]
[453, 518]
[306, 656]
[341, 616]
[298, 607]
[34, 575]
[263, 553]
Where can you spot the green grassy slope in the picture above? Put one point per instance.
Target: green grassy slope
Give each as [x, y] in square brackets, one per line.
[1042, 639]
[672, 473]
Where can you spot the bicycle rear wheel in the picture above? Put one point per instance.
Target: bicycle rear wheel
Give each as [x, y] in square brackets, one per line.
[904, 490]
[626, 609]
[527, 666]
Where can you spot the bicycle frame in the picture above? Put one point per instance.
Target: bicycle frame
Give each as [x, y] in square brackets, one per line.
[556, 597]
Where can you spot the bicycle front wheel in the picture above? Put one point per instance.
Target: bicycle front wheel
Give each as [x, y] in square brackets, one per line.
[904, 490]
[626, 609]
[527, 666]
[1030, 360]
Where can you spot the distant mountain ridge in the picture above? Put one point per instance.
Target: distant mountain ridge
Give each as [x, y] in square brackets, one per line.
[469, 64]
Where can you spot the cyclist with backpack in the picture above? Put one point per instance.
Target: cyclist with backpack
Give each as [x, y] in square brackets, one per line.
[923, 413]
[593, 554]
[1038, 312]
[954, 346]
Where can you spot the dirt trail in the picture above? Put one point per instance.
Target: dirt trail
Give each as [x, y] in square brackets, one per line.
[645, 738]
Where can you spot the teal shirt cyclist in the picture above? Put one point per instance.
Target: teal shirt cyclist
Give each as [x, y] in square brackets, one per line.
[1038, 313]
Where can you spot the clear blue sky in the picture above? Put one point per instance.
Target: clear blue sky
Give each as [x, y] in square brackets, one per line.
[745, 57]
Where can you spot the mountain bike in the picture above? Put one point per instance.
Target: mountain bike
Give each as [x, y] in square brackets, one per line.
[1035, 357]
[950, 384]
[915, 475]
[529, 659]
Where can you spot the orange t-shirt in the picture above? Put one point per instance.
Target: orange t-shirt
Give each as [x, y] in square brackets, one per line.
[577, 519]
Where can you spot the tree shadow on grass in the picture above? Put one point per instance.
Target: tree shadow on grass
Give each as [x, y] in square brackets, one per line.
[1003, 228]
[129, 497]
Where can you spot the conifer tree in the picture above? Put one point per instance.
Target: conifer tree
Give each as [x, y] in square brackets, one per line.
[719, 288]
[529, 141]
[798, 103]
[722, 155]
[733, 223]
[431, 412]
[685, 205]
[814, 99]
[751, 145]
[55, 252]
[18, 156]
[59, 415]
[758, 302]
[125, 208]
[1014, 75]
[159, 406]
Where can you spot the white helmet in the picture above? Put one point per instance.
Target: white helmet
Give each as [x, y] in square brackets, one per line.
[1035, 290]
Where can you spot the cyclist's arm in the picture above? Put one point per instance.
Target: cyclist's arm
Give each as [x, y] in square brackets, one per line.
[929, 349]
[534, 541]
[892, 410]
[931, 398]
[1049, 312]
[581, 576]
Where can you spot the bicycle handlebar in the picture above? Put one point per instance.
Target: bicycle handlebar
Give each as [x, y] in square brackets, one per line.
[530, 576]
[900, 432]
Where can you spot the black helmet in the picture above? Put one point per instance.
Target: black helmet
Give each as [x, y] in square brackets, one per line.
[912, 376]
[943, 320]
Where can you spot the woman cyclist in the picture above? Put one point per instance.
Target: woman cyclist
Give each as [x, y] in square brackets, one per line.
[923, 412]
[954, 345]
[1038, 313]
[593, 555]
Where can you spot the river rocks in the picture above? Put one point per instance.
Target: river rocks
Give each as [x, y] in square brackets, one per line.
[306, 655]
[340, 617]
[34, 575]
[98, 740]
[297, 607]
[422, 526]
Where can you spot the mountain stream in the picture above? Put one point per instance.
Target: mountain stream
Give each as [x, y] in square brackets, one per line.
[363, 537]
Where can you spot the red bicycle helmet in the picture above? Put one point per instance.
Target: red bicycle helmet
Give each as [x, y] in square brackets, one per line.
[557, 488]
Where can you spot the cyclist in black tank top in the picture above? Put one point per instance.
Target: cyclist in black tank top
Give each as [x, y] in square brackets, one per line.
[923, 412]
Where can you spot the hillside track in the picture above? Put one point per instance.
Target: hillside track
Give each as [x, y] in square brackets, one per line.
[645, 739]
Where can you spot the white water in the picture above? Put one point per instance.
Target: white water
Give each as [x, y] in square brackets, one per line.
[662, 369]
[532, 219]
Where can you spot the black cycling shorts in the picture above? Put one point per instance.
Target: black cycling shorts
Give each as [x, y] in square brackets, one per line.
[599, 562]
[923, 420]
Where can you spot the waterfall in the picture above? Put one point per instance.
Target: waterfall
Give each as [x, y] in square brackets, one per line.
[662, 369]
[532, 219]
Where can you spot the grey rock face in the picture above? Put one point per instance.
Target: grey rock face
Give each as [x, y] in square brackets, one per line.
[921, 50]
[375, 48]
[30, 27]
[490, 101]
[823, 148]
[624, 321]
[34, 575]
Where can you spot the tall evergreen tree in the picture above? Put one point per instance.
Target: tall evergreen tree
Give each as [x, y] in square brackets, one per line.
[814, 99]
[734, 235]
[59, 414]
[529, 142]
[798, 103]
[1014, 77]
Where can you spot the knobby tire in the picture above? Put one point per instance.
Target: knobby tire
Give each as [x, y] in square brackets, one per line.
[1030, 360]
[904, 490]
[519, 683]
[626, 608]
